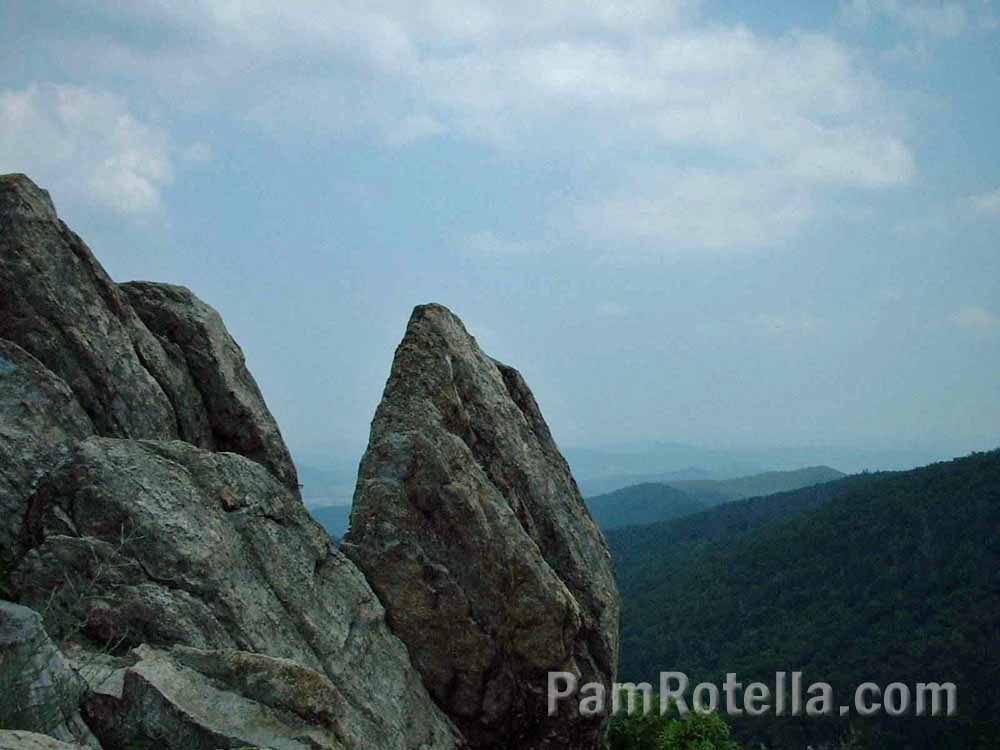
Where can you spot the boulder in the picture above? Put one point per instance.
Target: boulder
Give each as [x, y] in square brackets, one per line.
[18, 740]
[166, 544]
[196, 700]
[40, 691]
[472, 531]
[40, 420]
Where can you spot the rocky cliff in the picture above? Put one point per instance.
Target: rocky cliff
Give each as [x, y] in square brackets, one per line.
[149, 510]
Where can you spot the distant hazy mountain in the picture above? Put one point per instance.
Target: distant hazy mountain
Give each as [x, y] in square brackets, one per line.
[641, 504]
[327, 486]
[603, 485]
[887, 577]
[601, 470]
[650, 502]
[334, 518]
[715, 491]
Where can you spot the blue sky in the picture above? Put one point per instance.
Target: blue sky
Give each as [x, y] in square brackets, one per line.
[682, 220]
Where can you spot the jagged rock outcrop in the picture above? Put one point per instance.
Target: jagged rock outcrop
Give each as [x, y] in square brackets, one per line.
[174, 545]
[39, 691]
[150, 508]
[143, 547]
[40, 420]
[471, 529]
[187, 381]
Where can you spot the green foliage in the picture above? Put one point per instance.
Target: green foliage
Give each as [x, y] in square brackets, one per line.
[883, 577]
[669, 731]
[697, 732]
[637, 731]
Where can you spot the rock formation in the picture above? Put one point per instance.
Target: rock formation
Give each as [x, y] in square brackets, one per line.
[38, 690]
[471, 529]
[184, 379]
[140, 547]
[21, 740]
[149, 508]
[174, 545]
[40, 421]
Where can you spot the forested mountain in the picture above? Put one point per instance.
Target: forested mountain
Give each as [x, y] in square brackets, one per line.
[888, 577]
[713, 492]
[652, 502]
[642, 504]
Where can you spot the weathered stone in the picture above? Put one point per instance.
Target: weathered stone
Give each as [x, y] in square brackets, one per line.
[188, 381]
[39, 692]
[190, 700]
[239, 419]
[40, 420]
[17, 740]
[173, 545]
[471, 529]
[61, 306]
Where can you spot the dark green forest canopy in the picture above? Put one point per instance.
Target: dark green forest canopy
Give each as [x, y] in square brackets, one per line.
[882, 577]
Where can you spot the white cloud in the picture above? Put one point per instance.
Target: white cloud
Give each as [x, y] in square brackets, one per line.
[84, 145]
[987, 203]
[413, 128]
[684, 210]
[939, 19]
[978, 318]
[765, 122]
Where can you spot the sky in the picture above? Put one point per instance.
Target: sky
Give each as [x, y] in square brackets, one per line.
[711, 223]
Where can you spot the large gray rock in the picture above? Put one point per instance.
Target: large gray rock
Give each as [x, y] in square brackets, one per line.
[238, 417]
[18, 740]
[60, 305]
[200, 700]
[39, 691]
[188, 381]
[162, 543]
[40, 420]
[471, 529]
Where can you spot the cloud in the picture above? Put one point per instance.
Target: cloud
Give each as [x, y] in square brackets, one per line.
[85, 146]
[978, 318]
[986, 203]
[413, 128]
[763, 123]
[685, 210]
[937, 19]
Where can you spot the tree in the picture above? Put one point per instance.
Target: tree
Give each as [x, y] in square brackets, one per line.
[669, 731]
[697, 732]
